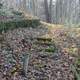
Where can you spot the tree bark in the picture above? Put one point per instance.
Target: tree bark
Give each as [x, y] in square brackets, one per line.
[50, 11]
[47, 11]
[34, 7]
[24, 6]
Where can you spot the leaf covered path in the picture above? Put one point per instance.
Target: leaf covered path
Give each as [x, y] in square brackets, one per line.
[49, 58]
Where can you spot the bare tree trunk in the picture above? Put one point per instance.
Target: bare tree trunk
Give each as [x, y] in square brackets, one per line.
[34, 7]
[50, 10]
[47, 11]
[24, 6]
[79, 11]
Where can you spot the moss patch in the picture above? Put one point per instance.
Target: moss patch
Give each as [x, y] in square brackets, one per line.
[6, 25]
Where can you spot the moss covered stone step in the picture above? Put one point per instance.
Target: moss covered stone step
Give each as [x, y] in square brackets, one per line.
[1, 38]
[11, 24]
[78, 62]
[44, 39]
[44, 43]
[50, 49]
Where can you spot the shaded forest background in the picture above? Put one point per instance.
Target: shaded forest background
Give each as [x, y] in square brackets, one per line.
[65, 12]
[39, 39]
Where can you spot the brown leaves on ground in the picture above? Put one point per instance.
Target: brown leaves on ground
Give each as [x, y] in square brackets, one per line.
[42, 65]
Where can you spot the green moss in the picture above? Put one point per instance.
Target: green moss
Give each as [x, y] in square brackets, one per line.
[18, 23]
[17, 13]
[1, 38]
[1, 5]
[44, 39]
[50, 50]
[44, 43]
[76, 74]
[78, 62]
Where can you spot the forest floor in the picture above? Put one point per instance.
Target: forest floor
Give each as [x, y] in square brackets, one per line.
[45, 53]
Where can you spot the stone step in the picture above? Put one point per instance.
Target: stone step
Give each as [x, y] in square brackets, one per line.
[44, 43]
[44, 39]
[50, 50]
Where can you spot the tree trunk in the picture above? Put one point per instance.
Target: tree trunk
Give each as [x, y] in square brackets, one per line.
[79, 11]
[34, 7]
[47, 11]
[50, 11]
[24, 6]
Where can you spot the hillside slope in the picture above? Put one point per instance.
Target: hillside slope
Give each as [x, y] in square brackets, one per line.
[39, 53]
